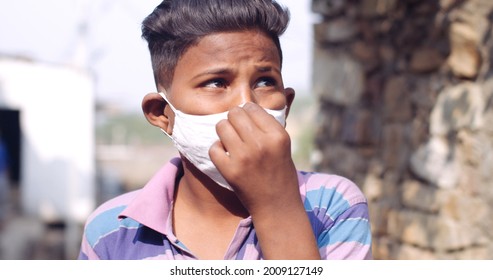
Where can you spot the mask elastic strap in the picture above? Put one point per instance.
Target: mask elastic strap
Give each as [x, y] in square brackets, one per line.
[172, 108]
[164, 131]
[163, 95]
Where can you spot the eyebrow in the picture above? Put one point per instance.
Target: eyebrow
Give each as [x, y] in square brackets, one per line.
[216, 71]
[264, 69]
[211, 72]
[225, 70]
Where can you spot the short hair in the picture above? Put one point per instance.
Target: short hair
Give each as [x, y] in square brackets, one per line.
[176, 25]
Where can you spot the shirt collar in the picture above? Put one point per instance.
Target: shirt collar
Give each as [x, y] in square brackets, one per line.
[153, 205]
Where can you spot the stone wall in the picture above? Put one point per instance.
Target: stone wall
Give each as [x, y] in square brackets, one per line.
[405, 90]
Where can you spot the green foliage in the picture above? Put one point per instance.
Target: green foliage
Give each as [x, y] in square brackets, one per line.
[128, 129]
[302, 115]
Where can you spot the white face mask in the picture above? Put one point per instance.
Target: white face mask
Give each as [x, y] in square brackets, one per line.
[193, 135]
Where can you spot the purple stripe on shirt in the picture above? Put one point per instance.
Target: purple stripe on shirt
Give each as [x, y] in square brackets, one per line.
[349, 190]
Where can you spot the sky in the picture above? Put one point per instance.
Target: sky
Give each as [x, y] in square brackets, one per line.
[103, 36]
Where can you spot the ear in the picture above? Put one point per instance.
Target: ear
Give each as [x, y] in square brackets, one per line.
[157, 113]
[289, 93]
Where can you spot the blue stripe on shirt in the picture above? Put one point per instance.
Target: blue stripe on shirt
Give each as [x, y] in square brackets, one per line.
[105, 223]
[350, 230]
[326, 196]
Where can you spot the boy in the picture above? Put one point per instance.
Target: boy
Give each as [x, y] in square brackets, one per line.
[234, 192]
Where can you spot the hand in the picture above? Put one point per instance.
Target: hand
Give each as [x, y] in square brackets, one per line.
[258, 161]
[254, 156]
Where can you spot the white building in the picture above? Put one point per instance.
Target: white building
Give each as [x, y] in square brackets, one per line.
[55, 107]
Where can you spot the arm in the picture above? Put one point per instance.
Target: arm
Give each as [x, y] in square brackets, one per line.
[260, 169]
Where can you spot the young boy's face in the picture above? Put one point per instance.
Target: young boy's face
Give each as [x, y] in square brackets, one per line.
[225, 70]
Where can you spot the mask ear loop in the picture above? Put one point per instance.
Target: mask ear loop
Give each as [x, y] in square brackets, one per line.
[172, 108]
[164, 131]
[163, 95]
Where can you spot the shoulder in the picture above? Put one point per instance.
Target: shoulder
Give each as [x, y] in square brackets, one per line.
[105, 219]
[319, 190]
[338, 212]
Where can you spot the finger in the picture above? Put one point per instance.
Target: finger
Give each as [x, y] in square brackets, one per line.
[263, 120]
[218, 154]
[244, 126]
[230, 140]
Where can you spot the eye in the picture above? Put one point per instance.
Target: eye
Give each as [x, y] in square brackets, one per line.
[266, 82]
[216, 83]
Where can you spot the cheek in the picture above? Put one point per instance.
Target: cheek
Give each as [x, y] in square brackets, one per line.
[274, 102]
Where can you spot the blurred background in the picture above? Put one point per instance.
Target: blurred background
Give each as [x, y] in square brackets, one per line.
[72, 77]
[395, 95]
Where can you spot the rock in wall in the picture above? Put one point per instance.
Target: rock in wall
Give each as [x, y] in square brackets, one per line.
[405, 91]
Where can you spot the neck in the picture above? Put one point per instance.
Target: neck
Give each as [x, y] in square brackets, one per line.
[199, 193]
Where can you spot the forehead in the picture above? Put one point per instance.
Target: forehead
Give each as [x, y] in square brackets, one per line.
[232, 47]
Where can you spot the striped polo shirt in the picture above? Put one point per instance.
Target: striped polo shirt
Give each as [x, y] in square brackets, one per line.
[138, 224]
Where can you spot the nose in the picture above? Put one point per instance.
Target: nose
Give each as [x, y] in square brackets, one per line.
[245, 94]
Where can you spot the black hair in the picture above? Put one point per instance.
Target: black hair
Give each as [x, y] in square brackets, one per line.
[175, 25]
